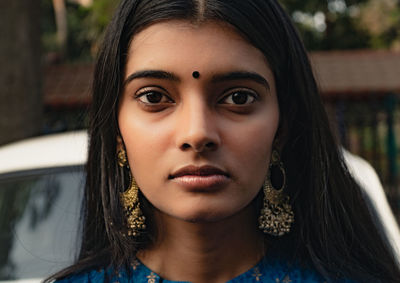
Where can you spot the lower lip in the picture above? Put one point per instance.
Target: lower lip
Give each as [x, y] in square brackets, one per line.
[195, 182]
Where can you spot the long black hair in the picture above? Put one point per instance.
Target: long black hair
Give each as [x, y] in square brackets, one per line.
[334, 231]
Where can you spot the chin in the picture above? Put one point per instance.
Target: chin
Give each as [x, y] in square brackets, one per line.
[204, 215]
[203, 218]
[201, 210]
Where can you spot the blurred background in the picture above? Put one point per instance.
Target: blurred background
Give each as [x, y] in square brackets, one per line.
[47, 49]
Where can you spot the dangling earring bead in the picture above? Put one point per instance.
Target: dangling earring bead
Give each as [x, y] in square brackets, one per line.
[130, 201]
[121, 158]
[276, 215]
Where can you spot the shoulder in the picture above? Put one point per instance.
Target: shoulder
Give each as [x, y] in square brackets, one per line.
[84, 277]
[282, 272]
[137, 271]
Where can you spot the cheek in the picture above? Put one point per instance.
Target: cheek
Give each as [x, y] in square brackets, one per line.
[255, 137]
[250, 146]
[145, 141]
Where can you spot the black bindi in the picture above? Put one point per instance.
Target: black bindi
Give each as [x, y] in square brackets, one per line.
[196, 74]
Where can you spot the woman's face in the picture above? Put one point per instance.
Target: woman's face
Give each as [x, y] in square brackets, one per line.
[198, 144]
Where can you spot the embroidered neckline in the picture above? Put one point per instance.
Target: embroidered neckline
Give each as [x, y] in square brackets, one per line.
[254, 272]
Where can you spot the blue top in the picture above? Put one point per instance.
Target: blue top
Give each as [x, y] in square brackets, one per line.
[266, 271]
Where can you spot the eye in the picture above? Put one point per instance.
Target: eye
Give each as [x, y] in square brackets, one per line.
[152, 97]
[239, 97]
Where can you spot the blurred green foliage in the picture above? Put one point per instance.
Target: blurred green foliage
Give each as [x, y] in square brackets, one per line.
[348, 24]
[85, 28]
[94, 21]
[323, 25]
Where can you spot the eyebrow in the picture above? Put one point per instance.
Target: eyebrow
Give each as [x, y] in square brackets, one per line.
[155, 74]
[231, 76]
[241, 75]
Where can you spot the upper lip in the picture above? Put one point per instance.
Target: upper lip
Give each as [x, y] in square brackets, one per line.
[204, 170]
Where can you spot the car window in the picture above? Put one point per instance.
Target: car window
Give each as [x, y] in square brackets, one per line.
[39, 221]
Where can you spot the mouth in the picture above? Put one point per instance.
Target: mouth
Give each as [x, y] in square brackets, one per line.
[203, 178]
[198, 171]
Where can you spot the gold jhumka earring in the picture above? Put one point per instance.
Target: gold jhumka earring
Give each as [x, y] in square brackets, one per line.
[130, 201]
[276, 215]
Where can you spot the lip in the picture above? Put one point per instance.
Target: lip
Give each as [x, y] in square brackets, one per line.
[191, 170]
[200, 178]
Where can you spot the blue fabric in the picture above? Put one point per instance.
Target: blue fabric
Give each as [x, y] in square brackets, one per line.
[266, 271]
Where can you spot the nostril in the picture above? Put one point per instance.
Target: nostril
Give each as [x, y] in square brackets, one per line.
[199, 147]
[185, 146]
[210, 145]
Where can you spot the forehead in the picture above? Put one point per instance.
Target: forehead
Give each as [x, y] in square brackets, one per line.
[186, 46]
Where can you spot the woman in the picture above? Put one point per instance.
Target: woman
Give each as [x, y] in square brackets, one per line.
[211, 158]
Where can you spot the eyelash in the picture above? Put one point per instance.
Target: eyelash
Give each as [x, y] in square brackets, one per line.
[147, 91]
[250, 94]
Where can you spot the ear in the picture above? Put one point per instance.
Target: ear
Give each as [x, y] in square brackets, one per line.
[120, 143]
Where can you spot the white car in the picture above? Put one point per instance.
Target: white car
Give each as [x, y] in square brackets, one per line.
[41, 186]
[368, 179]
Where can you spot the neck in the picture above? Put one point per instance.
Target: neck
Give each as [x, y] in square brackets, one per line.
[205, 252]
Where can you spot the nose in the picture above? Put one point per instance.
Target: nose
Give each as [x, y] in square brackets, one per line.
[197, 128]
